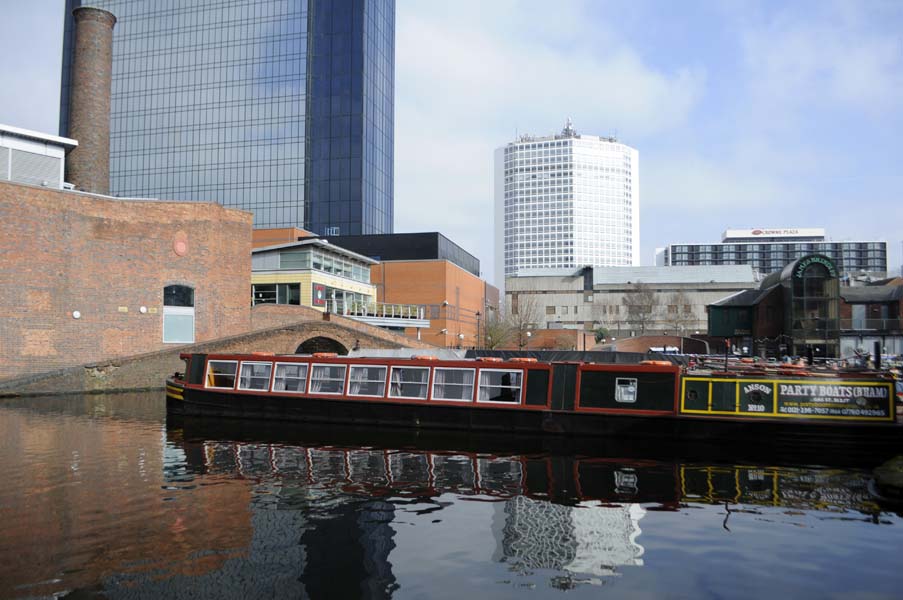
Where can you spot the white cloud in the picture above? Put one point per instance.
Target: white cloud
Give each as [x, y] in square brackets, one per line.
[468, 80]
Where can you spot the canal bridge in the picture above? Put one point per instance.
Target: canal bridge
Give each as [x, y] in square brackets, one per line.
[274, 332]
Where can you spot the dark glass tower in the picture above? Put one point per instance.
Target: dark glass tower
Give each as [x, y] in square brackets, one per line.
[281, 107]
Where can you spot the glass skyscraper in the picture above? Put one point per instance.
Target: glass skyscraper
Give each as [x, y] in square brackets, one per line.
[281, 107]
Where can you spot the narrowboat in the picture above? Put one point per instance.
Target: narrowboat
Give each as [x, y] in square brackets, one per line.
[652, 399]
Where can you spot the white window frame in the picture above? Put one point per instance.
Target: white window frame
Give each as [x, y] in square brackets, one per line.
[426, 384]
[473, 386]
[291, 364]
[208, 374]
[255, 362]
[385, 369]
[310, 378]
[519, 388]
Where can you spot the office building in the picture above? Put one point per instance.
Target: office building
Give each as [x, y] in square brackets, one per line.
[566, 201]
[410, 246]
[283, 108]
[626, 301]
[769, 250]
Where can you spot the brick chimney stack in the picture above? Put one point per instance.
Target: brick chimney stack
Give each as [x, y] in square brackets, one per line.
[88, 165]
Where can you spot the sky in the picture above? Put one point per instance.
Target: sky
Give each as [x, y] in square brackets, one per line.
[745, 113]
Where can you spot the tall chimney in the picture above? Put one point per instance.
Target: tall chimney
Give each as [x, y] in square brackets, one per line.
[88, 165]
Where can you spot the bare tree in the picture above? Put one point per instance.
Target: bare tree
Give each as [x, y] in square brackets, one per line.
[680, 312]
[522, 317]
[497, 331]
[640, 302]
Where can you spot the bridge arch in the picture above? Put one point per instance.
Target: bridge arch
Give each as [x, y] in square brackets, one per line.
[321, 343]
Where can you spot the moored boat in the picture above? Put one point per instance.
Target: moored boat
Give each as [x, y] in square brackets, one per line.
[522, 395]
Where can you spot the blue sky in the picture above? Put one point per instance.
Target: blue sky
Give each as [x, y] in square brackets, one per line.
[746, 114]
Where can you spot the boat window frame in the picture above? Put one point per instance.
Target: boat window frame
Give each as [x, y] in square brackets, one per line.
[426, 384]
[303, 389]
[208, 374]
[310, 378]
[254, 362]
[385, 369]
[520, 387]
[473, 384]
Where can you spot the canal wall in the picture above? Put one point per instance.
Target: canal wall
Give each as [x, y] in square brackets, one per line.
[148, 371]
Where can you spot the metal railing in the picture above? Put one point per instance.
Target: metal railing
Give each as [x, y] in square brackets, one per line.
[871, 324]
[377, 310]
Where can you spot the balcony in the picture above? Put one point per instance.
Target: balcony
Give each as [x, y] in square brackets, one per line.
[381, 314]
[876, 325]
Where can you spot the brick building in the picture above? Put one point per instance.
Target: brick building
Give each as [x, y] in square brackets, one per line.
[87, 277]
[456, 302]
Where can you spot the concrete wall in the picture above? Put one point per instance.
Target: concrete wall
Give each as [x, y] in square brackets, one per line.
[561, 301]
[105, 258]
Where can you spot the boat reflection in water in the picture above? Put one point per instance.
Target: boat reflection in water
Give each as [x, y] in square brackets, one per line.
[341, 491]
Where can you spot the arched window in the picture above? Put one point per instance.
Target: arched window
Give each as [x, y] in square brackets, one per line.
[178, 314]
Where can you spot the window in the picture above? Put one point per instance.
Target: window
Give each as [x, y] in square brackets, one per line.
[367, 381]
[255, 376]
[290, 377]
[672, 309]
[453, 384]
[327, 379]
[221, 374]
[550, 310]
[409, 382]
[625, 390]
[178, 314]
[499, 385]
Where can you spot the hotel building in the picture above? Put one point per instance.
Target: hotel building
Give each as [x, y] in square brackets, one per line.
[769, 250]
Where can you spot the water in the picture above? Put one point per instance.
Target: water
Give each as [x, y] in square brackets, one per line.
[101, 499]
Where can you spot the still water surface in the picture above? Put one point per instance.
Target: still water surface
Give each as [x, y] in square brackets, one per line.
[101, 499]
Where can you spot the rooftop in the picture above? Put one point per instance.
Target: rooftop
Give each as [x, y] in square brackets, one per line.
[320, 243]
[37, 136]
[655, 275]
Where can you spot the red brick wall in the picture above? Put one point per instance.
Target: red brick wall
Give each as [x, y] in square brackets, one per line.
[642, 343]
[64, 251]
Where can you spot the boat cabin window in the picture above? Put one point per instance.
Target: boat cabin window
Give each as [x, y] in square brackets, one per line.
[409, 382]
[290, 377]
[327, 379]
[221, 373]
[367, 381]
[453, 384]
[625, 390]
[500, 385]
[255, 376]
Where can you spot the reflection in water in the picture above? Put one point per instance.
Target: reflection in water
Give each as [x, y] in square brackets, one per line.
[101, 497]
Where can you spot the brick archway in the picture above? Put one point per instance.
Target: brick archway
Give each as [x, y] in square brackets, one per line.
[321, 344]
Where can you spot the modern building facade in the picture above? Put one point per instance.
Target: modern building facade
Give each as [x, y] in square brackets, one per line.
[625, 301]
[410, 246]
[284, 108]
[769, 250]
[566, 201]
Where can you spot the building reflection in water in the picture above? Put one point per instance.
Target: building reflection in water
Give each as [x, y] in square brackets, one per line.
[577, 516]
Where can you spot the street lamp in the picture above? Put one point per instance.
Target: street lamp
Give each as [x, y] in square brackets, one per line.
[529, 335]
[460, 340]
[479, 339]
